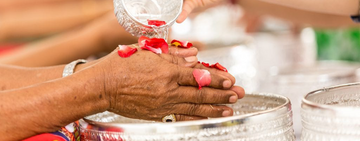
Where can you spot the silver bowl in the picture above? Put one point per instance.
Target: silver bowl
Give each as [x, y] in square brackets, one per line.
[332, 114]
[133, 15]
[295, 83]
[257, 117]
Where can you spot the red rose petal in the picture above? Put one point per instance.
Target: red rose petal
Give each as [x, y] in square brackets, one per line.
[152, 49]
[126, 51]
[205, 64]
[185, 44]
[202, 77]
[142, 40]
[156, 22]
[156, 45]
[219, 67]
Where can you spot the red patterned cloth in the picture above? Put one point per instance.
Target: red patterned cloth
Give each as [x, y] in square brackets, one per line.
[69, 133]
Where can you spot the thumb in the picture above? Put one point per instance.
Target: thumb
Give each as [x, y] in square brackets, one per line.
[189, 5]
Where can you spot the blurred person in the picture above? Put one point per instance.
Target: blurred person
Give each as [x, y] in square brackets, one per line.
[35, 21]
[37, 100]
[65, 32]
[101, 35]
[335, 7]
[325, 18]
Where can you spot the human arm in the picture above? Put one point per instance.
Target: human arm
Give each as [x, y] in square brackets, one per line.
[174, 92]
[20, 76]
[297, 16]
[43, 20]
[336, 7]
[101, 35]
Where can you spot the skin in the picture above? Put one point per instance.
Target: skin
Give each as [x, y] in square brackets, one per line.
[307, 11]
[320, 20]
[174, 92]
[336, 7]
[190, 5]
[13, 4]
[101, 35]
[52, 18]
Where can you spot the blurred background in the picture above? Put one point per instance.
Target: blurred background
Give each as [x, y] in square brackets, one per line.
[267, 47]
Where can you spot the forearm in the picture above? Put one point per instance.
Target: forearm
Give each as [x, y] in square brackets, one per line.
[337, 7]
[50, 19]
[57, 50]
[48, 106]
[17, 77]
[296, 15]
[11, 4]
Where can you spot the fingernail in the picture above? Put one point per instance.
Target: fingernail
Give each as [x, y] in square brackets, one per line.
[233, 99]
[226, 113]
[227, 84]
[193, 49]
[191, 59]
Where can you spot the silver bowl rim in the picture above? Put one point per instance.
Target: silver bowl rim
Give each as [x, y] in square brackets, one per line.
[137, 21]
[333, 108]
[209, 123]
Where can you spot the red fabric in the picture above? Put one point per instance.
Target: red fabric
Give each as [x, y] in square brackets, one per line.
[46, 137]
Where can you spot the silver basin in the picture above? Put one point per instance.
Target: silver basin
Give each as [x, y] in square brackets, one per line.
[256, 117]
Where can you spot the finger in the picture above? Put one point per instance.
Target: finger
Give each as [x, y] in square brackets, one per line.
[189, 5]
[188, 118]
[216, 71]
[203, 110]
[186, 78]
[184, 62]
[205, 96]
[239, 91]
[183, 52]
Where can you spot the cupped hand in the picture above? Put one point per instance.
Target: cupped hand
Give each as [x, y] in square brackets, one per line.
[190, 5]
[150, 86]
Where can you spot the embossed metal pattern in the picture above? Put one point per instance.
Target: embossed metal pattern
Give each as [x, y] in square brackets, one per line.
[256, 117]
[332, 113]
[135, 21]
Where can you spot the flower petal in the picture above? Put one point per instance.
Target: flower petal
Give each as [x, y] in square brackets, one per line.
[184, 44]
[205, 64]
[156, 22]
[141, 40]
[219, 67]
[202, 77]
[152, 49]
[126, 51]
[156, 43]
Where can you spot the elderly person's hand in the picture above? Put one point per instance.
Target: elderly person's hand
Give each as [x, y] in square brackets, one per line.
[149, 86]
[144, 85]
[190, 5]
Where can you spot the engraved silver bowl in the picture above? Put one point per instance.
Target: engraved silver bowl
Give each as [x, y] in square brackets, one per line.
[257, 117]
[133, 15]
[332, 114]
[295, 83]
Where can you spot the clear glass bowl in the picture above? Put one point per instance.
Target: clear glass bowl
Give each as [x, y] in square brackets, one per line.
[258, 117]
[332, 114]
[133, 15]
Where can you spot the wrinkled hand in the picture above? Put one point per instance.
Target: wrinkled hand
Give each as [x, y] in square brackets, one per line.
[149, 86]
[190, 5]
